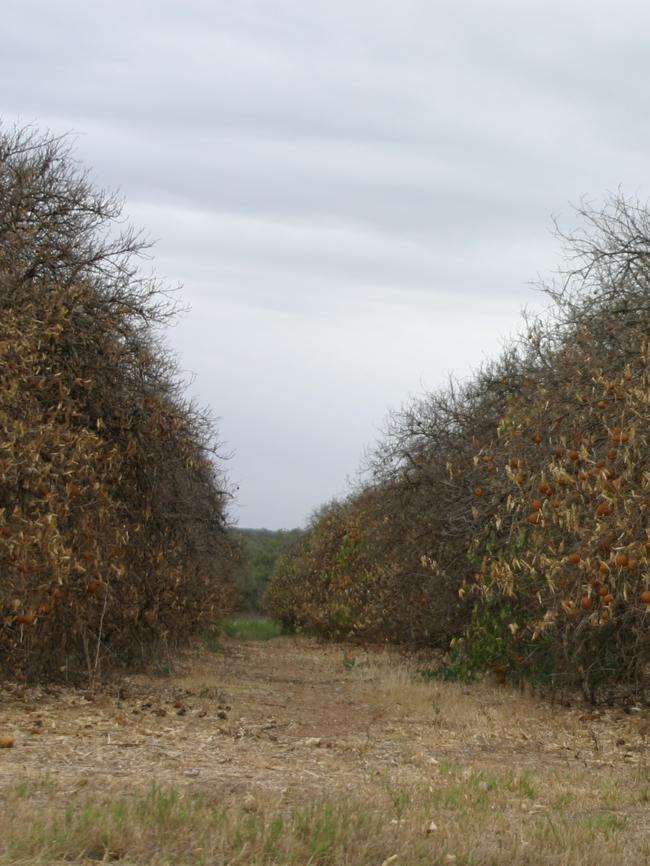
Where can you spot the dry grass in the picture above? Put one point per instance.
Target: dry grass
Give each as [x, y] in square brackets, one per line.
[393, 684]
[462, 817]
[327, 756]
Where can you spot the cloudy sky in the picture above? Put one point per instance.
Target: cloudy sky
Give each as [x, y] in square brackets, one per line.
[355, 194]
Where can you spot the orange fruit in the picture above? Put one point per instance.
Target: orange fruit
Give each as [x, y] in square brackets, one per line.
[534, 518]
[574, 455]
[6, 742]
[603, 568]
[478, 491]
[645, 596]
[537, 437]
[515, 463]
[603, 591]
[574, 558]
[73, 489]
[536, 504]
[608, 599]
[25, 618]
[603, 509]
[612, 454]
[586, 603]
[621, 560]
[559, 452]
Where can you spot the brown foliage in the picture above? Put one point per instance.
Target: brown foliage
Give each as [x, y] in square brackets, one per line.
[520, 490]
[589, 368]
[346, 579]
[112, 513]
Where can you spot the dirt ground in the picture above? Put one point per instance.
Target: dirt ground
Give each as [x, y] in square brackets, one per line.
[292, 718]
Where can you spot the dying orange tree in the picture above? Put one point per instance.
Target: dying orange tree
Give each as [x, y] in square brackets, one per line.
[388, 563]
[566, 505]
[508, 515]
[344, 579]
[113, 530]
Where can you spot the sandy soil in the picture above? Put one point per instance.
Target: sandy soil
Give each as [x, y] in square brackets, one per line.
[292, 719]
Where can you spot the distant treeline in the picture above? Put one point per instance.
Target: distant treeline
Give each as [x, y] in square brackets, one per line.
[261, 549]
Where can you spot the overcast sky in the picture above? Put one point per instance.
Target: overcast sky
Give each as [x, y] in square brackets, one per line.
[355, 194]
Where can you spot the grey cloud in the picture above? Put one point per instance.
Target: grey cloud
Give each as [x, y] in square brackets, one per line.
[353, 194]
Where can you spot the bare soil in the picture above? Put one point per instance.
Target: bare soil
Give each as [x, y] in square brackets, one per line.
[290, 719]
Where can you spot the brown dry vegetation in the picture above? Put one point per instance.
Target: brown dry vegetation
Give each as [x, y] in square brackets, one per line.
[113, 534]
[294, 752]
[508, 516]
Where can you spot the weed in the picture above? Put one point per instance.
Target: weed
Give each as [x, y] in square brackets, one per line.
[607, 824]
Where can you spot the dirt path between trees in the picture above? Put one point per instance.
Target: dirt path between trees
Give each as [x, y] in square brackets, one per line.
[293, 719]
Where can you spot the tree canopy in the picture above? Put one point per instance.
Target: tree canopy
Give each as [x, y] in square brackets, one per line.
[113, 523]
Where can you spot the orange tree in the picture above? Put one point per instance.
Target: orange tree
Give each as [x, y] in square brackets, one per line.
[328, 584]
[389, 562]
[113, 536]
[429, 483]
[525, 491]
[566, 507]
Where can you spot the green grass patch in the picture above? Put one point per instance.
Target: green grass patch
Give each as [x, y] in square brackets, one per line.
[607, 824]
[251, 628]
